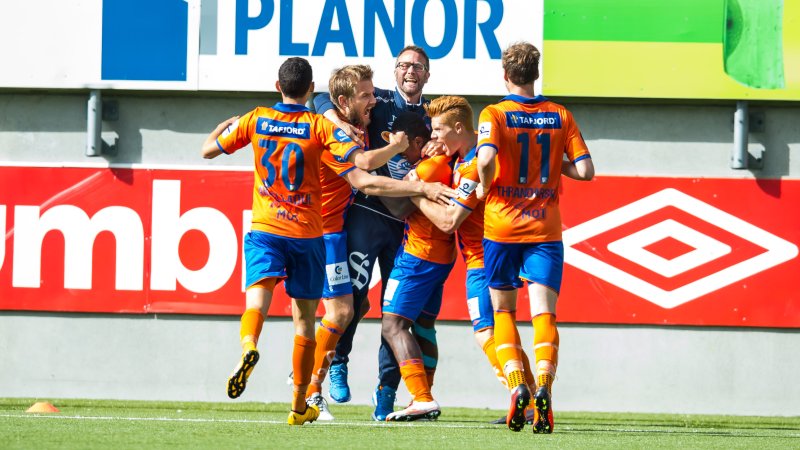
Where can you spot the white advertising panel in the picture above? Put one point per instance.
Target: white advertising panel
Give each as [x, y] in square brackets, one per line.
[100, 44]
[238, 45]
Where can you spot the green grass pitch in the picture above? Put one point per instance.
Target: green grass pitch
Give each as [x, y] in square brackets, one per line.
[88, 424]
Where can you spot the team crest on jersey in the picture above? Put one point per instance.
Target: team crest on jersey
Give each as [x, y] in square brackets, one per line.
[398, 167]
[466, 187]
[484, 130]
[341, 136]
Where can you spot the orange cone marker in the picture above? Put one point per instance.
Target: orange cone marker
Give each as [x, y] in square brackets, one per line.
[42, 407]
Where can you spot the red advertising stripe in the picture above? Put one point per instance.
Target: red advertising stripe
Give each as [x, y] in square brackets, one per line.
[639, 250]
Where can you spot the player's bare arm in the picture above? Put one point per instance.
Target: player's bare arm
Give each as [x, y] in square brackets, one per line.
[437, 192]
[389, 187]
[372, 159]
[210, 149]
[446, 217]
[444, 193]
[486, 170]
[582, 170]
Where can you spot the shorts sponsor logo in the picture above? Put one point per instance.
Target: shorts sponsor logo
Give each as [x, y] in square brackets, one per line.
[391, 287]
[337, 273]
[699, 244]
[474, 309]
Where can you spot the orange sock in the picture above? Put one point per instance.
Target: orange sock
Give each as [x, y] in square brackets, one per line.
[328, 335]
[302, 364]
[545, 338]
[530, 378]
[508, 347]
[250, 330]
[491, 353]
[413, 372]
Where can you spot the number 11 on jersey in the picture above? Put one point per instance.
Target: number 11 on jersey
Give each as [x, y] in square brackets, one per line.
[543, 140]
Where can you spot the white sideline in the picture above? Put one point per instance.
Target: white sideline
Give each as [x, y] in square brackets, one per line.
[360, 424]
[201, 420]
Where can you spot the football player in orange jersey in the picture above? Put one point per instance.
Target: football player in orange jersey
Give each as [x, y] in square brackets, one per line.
[522, 141]
[375, 224]
[451, 122]
[286, 241]
[413, 297]
[352, 90]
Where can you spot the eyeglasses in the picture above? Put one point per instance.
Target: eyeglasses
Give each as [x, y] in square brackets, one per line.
[418, 67]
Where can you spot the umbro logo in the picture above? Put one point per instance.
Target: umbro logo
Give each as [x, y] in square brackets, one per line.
[674, 260]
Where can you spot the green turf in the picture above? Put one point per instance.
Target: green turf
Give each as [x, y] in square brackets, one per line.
[87, 424]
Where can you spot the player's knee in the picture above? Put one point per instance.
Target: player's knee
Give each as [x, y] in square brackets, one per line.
[305, 328]
[481, 336]
[344, 316]
[391, 326]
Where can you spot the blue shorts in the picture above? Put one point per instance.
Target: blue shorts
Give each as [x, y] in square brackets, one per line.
[479, 302]
[415, 287]
[508, 264]
[300, 261]
[337, 276]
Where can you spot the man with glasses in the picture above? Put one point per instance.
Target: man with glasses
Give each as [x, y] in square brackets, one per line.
[375, 225]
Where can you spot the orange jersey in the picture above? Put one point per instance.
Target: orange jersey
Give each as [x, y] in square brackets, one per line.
[288, 142]
[531, 137]
[337, 194]
[470, 232]
[422, 238]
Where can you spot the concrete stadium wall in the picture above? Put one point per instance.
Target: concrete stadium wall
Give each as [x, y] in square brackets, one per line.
[603, 367]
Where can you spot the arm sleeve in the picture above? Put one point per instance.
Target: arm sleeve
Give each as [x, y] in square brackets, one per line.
[334, 140]
[322, 103]
[576, 146]
[465, 187]
[339, 167]
[238, 134]
[489, 129]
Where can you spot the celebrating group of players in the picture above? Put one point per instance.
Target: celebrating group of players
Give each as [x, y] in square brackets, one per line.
[369, 178]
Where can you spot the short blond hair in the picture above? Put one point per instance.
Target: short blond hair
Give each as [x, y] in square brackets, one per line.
[345, 79]
[521, 63]
[451, 109]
